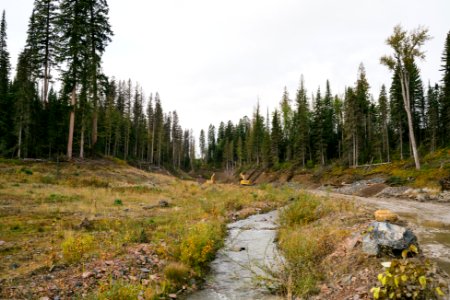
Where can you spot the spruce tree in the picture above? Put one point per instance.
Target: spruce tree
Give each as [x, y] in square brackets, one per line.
[445, 99]
[24, 93]
[98, 36]
[42, 40]
[202, 144]
[302, 123]
[384, 117]
[433, 116]
[72, 52]
[6, 106]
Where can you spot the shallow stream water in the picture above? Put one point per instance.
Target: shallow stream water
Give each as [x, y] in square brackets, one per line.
[248, 253]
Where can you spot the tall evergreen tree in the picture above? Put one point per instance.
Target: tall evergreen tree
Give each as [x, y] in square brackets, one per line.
[42, 40]
[98, 36]
[6, 107]
[445, 100]
[73, 53]
[384, 116]
[202, 144]
[24, 93]
[433, 116]
[302, 124]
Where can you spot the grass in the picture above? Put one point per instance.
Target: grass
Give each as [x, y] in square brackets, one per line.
[310, 231]
[42, 211]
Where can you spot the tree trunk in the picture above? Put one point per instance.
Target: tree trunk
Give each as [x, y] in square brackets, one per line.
[82, 139]
[20, 139]
[73, 102]
[404, 80]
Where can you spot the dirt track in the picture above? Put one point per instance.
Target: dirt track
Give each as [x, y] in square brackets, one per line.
[420, 211]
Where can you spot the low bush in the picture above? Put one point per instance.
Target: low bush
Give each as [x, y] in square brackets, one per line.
[200, 244]
[77, 248]
[176, 272]
[119, 291]
[408, 279]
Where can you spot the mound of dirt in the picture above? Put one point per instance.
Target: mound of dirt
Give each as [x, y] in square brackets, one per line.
[371, 190]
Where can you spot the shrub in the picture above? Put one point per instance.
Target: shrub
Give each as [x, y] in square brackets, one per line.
[26, 171]
[77, 248]
[176, 272]
[407, 279]
[200, 244]
[396, 181]
[303, 250]
[304, 210]
[119, 291]
[118, 202]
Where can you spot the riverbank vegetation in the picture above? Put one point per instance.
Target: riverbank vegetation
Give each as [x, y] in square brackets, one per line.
[311, 229]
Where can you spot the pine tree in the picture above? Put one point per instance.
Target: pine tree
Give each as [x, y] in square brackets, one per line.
[287, 120]
[433, 116]
[202, 144]
[210, 157]
[302, 123]
[24, 92]
[362, 115]
[329, 140]
[319, 144]
[406, 48]
[256, 136]
[6, 106]
[276, 138]
[98, 36]
[445, 99]
[72, 52]
[42, 40]
[384, 116]
[351, 127]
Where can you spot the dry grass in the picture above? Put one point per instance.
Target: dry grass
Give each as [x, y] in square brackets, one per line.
[311, 228]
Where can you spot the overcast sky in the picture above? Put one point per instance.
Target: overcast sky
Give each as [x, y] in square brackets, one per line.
[211, 60]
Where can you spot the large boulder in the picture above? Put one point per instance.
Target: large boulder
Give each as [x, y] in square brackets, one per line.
[386, 238]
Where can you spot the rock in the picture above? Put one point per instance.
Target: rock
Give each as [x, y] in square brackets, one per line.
[422, 197]
[383, 215]
[44, 298]
[172, 296]
[2, 243]
[109, 262]
[14, 266]
[87, 274]
[86, 224]
[163, 203]
[387, 238]
[145, 270]
[445, 184]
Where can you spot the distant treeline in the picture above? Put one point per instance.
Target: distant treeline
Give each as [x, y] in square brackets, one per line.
[351, 129]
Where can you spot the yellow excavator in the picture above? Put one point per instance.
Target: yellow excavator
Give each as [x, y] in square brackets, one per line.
[244, 180]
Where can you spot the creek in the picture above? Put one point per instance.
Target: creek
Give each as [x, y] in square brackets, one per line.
[240, 269]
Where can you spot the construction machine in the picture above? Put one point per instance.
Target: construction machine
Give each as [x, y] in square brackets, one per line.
[244, 180]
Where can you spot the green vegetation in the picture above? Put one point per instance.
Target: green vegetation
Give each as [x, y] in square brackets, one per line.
[308, 234]
[407, 279]
[76, 248]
